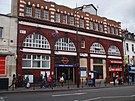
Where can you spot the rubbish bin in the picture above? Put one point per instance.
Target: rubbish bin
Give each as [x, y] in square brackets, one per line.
[4, 83]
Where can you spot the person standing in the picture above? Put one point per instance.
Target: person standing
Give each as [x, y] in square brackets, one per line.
[41, 81]
[13, 84]
[114, 78]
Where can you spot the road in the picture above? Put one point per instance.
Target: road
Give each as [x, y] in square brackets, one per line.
[126, 93]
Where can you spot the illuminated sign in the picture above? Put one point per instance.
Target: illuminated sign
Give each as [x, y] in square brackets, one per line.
[115, 69]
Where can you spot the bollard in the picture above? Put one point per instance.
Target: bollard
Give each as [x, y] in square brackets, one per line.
[82, 82]
[33, 82]
[68, 83]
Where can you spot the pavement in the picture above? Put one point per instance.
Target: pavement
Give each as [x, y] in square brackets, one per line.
[60, 88]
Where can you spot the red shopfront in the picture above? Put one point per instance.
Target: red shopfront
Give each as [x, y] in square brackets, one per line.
[2, 66]
[115, 68]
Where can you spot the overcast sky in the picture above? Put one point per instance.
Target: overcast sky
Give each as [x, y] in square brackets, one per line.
[120, 10]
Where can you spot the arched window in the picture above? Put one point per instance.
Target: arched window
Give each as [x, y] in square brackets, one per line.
[36, 41]
[113, 50]
[97, 48]
[65, 44]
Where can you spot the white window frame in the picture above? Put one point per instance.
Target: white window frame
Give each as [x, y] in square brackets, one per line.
[37, 13]
[46, 14]
[108, 29]
[64, 19]
[96, 26]
[101, 28]
[57, 17]
[32, 60]
[112, 30]
[65, 44]
[36, 41]
[71, 20]
[82, 23]
[91, 25]
[113, 50]
[28, 11]
[97, 48]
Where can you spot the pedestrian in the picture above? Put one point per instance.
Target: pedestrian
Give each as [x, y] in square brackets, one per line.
[49, 80]
[41, 81]
[27, 84]
[62, 80]
[93, 79]
[13, 84]
[130, 80]
[114, 78]
[45, 83]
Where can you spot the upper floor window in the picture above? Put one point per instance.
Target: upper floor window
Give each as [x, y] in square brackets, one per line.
[82, 23]
[91, 25]
[127, 47]
[1, 32]
[83, 44]
[57, 17]
[129, 36]
[101, 27]
[36, 41]
[65, 44]
[113, 50]
[28, 11]
[37, 13]
[116, 31]
[71, 20]
[97, 48]
[112, 30]
[108, 29]
[96, 26]
[46, 14]
[64, 18]
[132, 47]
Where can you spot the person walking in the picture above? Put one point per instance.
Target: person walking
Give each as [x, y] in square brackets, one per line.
[27, 84]
[49, 79]
[130, 80]
[62, 80]
[13, 84]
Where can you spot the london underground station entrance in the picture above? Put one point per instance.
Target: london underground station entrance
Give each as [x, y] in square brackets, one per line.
[65, 69]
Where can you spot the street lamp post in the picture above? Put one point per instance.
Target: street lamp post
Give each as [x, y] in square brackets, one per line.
[77, 58]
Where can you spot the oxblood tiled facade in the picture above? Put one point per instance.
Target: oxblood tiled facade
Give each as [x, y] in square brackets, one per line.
[94, 55]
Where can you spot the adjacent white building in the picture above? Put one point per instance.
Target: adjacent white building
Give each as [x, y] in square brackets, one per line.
[129, 47]
[8, 46]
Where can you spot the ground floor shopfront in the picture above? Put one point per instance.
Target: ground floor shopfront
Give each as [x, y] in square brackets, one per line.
[65, 65]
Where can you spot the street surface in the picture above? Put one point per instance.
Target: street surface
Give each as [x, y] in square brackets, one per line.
[126, 93]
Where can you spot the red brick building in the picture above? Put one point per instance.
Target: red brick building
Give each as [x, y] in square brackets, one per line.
[56, 39]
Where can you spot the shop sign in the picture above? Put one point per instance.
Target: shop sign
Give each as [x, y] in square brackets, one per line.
[64, 60]
[65, 65]
[126, 58]
[115, 69]
[116, 61]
